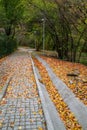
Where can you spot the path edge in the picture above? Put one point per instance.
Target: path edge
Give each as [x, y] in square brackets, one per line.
[2, 93]
[46, 114]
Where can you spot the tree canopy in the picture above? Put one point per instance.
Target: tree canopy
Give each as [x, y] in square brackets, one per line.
[65, 24]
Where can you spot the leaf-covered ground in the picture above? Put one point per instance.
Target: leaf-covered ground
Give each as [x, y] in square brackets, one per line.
[66, 115]
[4, 71]
[77, 84]
[11, 64]
[21, 106]
[23, 73]
[7, 68]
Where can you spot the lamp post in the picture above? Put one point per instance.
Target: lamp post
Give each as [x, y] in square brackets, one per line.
[35, 38]
[43, 20]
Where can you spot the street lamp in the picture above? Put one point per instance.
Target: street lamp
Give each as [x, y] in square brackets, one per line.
[43, 20]
[35, 38]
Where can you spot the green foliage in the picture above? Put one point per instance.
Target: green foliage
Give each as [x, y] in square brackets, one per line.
[11, 45]
[3, 48]
[65, 25]
[11, 12]
[7, 45]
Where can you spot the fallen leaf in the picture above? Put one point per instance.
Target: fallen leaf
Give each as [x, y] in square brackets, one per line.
[1, 124]
[40, 128]
[20, 128]
[12, 124]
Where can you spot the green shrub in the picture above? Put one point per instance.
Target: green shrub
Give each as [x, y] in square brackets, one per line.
[11, 45]
[7, 45]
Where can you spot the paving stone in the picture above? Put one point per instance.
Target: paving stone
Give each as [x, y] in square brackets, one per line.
[6, 121]
[4, 128]
[9, 128]
[15, 128]
[5, 125]
[17, 123]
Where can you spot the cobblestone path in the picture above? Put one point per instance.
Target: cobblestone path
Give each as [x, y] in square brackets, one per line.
[21, 107]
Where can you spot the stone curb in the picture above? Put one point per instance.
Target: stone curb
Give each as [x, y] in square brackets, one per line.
[75, 105]
[48, 121]
[51, 123]
[5, 88]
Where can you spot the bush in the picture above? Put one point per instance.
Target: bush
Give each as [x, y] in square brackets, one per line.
[7, 45]
[3, 49]
[11, 45]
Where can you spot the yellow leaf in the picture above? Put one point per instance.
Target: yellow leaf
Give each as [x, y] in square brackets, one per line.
[1, 124]
[39, 128]
[19, 128]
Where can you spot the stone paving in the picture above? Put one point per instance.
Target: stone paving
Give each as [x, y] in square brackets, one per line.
[22, 114]
[21, 108]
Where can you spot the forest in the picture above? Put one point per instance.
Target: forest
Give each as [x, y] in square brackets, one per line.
[64, 23]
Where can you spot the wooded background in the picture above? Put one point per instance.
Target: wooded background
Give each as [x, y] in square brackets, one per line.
[65, 21]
